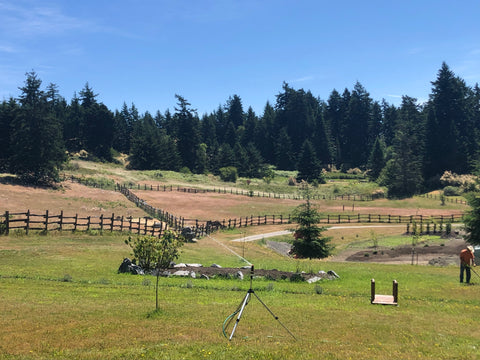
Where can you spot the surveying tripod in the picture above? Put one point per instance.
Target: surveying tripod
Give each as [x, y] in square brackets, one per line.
[241, 309]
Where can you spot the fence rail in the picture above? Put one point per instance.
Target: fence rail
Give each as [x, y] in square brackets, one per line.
[28, 221]
[250, 193]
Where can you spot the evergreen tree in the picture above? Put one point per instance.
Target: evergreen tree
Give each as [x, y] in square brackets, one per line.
[376, 161]
[235, 113]
[321, 142]
[251, 123]
[309, 242]
[230, 137]
[225, 157]
[403, 172]
[471, 220]
[8, 112]
[255, 166]
[296, 113]
[72, 132]
[188, 136]
[356, 131]
[123, 129]
[389, 122]
[96, 126]
[335, 123]
[37, 148]
[308, 166]
[449, 126]
[145, 149]
[283, 151]
[265, 135]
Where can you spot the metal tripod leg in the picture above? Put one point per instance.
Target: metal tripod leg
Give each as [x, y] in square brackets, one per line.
[244, 303]
[275, 316]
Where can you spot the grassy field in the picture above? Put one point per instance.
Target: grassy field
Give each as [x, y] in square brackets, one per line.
[62, 298]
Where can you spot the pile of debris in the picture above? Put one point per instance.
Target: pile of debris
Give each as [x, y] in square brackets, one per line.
[215, 270]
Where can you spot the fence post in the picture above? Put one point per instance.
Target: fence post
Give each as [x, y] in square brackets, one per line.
[75, 223]
[101, 222]
[88, 223]
[27, 226]
[46, 220]
[7, 222]
[60, 225]
[111, 224]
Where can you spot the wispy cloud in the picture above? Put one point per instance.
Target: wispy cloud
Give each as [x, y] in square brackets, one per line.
[31, 19]
[8, 49]
[19, 19]
[394, 96]
[302, 79]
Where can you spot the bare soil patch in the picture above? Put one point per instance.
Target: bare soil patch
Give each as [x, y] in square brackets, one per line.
[72, 198]
[441, 255]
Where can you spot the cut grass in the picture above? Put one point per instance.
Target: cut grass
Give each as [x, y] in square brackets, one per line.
[95, 313]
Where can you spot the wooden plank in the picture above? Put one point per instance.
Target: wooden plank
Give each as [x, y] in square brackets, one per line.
[384, 300]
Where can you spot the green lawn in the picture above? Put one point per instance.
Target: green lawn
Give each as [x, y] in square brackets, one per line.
[61, 297]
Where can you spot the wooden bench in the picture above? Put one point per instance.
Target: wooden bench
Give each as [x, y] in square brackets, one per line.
[384, 299]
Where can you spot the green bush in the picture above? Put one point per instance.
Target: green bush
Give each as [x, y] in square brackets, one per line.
[452, 191]
[229, 173]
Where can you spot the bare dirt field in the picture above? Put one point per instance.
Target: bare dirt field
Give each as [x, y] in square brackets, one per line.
[74, 198]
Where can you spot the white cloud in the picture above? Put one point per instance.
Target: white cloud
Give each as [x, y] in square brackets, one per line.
[20, 19]
[8, 49]
[302, 79]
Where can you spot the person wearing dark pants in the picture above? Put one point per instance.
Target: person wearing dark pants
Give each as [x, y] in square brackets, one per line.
[467, 259]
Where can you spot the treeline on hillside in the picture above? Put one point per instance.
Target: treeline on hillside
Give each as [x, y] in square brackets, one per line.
[406, 147]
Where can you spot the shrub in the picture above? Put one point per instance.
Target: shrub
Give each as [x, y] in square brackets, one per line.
[229, 173]
[451, 191]
[185, 170]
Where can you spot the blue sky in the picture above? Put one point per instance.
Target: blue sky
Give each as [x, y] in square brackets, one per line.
[146, 51]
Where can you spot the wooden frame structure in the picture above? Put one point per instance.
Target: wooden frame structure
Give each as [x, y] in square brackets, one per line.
[384, 299]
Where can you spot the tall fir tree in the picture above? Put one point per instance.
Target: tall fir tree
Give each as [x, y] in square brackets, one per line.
[308, 165]
[8, 112]
[188, 136]
[403, 172]
[37, 136]
[449, 126]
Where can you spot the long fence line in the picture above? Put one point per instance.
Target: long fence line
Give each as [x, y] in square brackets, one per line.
[455, 200]
[28, 221]
[148, 225]
[251, 193]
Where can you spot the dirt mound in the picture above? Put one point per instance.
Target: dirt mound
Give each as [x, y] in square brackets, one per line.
[440, 255]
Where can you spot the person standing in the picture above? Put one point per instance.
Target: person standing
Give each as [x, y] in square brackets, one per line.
[467, 260]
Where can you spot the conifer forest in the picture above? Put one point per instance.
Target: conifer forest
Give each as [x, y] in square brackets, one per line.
[405, 147]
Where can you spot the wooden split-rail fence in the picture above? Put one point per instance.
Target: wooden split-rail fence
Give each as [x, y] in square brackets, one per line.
[159, 220]
[28, 221]
[156, 225]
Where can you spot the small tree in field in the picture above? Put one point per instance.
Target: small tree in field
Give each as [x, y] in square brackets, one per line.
[309, 242]
[153, 253]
